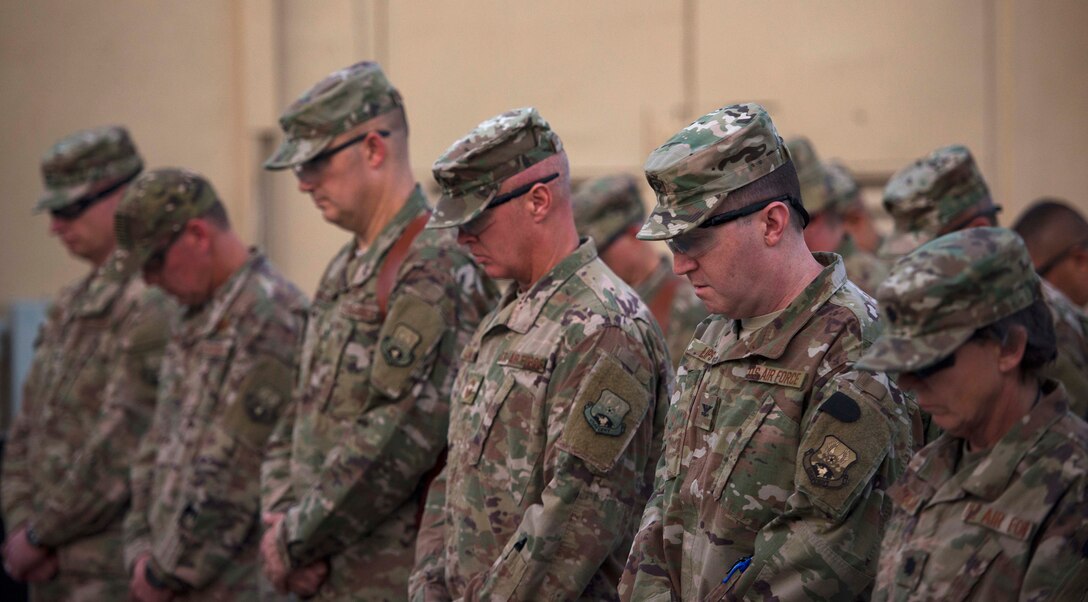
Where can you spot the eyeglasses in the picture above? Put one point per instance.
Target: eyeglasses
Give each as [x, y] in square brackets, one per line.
[310, 169]
[697, 242]
[478, 224]
[1054, 261]
[72, 211]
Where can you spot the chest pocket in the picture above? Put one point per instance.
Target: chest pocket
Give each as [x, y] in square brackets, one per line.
[345, 390]
[972, 570]
[507, 446]
[78, 367]
[686, 400]
[757, 453]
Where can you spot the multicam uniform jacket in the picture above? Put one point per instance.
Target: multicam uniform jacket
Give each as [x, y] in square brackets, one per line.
[88, 399]
[685, 310]
[1071, 366]
[225, 379]
[372, 407]
[1010, 523]
[554, 432]
[777, 458]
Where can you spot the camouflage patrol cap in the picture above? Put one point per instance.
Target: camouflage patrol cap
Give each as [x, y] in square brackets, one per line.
[937, 296]
[604, 207]
[87, 162]
[815, 190]
[156, 208]
[472, 170]
[341, 101]
[842, 187]
[695, 170]
[929, 195]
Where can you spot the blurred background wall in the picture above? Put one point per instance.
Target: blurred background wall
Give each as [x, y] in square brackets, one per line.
[200, 84]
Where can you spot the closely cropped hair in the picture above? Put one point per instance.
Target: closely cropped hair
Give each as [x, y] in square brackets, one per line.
[217, 214]
[780, 181]
[1042, 344]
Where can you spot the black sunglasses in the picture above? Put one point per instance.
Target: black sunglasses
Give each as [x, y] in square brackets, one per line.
[76, 209]
[318, 161]
[728, 216]
[520, 190]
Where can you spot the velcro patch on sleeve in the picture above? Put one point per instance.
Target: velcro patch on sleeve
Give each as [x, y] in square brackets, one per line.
[411, 330]
[259, 401]
[841, 450]
[605, 414]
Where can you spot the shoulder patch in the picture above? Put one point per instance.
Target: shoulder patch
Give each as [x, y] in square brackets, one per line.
[842, 407]
[260, 399]
[604, 415]
[409, 333]
[841, 449]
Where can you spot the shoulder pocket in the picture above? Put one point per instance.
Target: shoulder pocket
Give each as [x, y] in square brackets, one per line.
[405, 341]
[605, 415]
[260, 399]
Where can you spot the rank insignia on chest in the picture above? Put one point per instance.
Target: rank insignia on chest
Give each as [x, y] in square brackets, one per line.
[827, 466]
[397, 347]
[605, 416]
[775, 376]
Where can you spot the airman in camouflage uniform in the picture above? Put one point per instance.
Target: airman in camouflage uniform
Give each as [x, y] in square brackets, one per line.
[348, 473]
[1056, 235]
[778, 450]
[90, 392]
[997, 507]
[193, 528]
[556, 415]
[945, 192]
[863, 267]
[825, 197]
[610, 211]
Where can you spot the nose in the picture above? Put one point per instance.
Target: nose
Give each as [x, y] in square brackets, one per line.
[907, 381]
[57, 225]
[304, 184]
[463, 237]
[682, 264]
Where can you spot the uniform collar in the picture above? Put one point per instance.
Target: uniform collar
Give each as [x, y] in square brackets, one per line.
[368, 263]
[771, 340]
[209, 318]
[100, 288]
[519, 312]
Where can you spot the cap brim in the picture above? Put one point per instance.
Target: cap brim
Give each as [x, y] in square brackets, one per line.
[452, 211]
[59, 198]
[891, 353]
[294, 151]
[665, 222]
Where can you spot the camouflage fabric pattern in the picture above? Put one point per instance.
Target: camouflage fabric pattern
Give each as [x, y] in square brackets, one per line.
[864, 269]
[695, 170]
[928, 196]
[473, 168]
[86, 162]
[1071, 366]
[554, 432]
[334, 105]
[815, 187]
[372, 408]
[87, 400]
[777, 450]
[226, 377]
[1007, 524]
[684, 310]
[843, 190]
[936, 297]
[604, 207]
[156, 207]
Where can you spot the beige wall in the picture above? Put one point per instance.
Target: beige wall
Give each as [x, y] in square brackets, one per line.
[200, 83]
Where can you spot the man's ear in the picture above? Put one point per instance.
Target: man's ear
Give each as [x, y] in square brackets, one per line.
[375, 150]
[200, 232]
[1012, 350]
[775, 219]
[540, 202]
